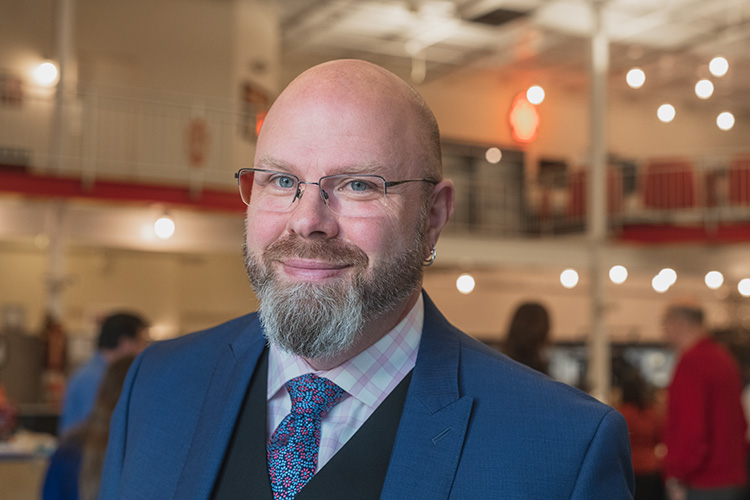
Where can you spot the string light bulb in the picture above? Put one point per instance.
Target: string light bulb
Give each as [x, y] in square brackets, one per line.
[46, 74]
[666, 113]
[635, 78]
[718, 66]
[725, 121]
[465, 283]
[535, 94]
[164, 227]
[704, 89]
[569, 278]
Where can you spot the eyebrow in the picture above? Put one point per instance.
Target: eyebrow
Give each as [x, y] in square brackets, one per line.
[363, 168]
[273, 164]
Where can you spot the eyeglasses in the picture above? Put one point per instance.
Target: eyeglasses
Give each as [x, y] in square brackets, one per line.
[351, 195]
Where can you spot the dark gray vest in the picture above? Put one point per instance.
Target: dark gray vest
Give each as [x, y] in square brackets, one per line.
[356, 471]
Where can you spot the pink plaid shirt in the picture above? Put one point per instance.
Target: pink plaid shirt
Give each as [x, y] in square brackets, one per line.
[368, 378]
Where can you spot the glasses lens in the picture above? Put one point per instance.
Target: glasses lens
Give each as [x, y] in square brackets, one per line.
[354, 195]
[245, 182]
[273, 191]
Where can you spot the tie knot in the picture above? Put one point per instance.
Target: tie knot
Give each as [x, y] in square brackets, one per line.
[312, 395]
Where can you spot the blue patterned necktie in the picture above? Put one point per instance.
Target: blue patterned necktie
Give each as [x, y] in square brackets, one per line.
[293, 449]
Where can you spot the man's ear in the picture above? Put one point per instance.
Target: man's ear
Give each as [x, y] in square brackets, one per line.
[440, 210]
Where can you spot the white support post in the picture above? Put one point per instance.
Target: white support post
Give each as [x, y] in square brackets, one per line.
[599, 376]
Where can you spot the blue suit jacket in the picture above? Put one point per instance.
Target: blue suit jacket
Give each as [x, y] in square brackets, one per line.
[474, 425]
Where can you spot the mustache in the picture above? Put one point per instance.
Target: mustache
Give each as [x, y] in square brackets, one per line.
[333, 251]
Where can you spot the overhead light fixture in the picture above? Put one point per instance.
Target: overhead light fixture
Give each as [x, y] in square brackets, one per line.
[164, 227]
[666, 113]
[465, 283]
[535, 94]
[569, 278]
[46, 74]
[659, 284]
[669, 275]
[618, 274]
[744, 287]
[718, 66]
[704, 89]
[664, 280]
[635, 78]
[714, 280]
[725, 121]
[493, 155]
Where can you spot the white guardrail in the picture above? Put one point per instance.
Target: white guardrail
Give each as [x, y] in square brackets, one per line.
[158, 137]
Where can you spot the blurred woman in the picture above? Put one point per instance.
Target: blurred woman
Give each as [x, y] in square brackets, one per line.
[528, 336]
[75, 468]
[645, 424]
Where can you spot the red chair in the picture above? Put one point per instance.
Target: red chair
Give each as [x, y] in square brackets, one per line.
[739, 181]
[669, 184]
[577, 194]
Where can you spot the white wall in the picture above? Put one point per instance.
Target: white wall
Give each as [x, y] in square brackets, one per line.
[178, 293]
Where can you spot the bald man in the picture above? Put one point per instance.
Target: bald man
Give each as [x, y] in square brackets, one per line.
[348, 382]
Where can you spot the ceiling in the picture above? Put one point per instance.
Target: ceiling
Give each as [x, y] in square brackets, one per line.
[671, 40]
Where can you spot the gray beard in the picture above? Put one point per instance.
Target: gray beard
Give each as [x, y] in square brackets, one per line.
[319, 321]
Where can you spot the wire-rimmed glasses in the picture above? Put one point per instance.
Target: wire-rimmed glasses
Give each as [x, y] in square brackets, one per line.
[352, 195]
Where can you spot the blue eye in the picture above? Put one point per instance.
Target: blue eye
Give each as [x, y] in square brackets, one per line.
[285, 181]
[359, 185]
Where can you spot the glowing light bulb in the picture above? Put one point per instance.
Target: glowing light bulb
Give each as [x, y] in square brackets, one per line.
[669, 275]
[725, 121]
[535, 94]
[465, 284]
[714, 279]
[493, 155]
[704, 89]
[718, 66]
[666, 113]
[635, 78]
[618, 274]
[569, 278]
[659, 284]
[164, 227]
[744, 287]
[45, 74]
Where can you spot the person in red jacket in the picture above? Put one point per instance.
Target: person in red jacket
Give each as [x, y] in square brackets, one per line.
[705, 427]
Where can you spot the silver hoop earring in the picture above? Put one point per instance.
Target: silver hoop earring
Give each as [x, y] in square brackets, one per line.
[431, 259]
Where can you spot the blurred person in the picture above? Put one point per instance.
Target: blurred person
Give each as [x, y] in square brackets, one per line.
[120, 334]
[646, 426]
[75, 468]
[527, 340]
[348, 382]
[705, 427]
[7, 415]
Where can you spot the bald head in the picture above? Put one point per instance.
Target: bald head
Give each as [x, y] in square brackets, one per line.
[684, 324]
[370, 95]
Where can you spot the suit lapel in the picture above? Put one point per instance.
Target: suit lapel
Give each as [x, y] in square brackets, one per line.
[434, 421]
[222, 402]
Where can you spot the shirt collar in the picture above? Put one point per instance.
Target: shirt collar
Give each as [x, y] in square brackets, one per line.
[370, 375]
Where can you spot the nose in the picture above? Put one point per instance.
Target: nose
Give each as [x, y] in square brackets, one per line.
[310, 217]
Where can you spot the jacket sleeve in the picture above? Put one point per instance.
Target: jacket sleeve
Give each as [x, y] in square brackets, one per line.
[607, 470]
[687, 437]
[116, 448]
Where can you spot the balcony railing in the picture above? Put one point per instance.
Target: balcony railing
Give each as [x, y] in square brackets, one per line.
[122, 134]
[107, 133]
